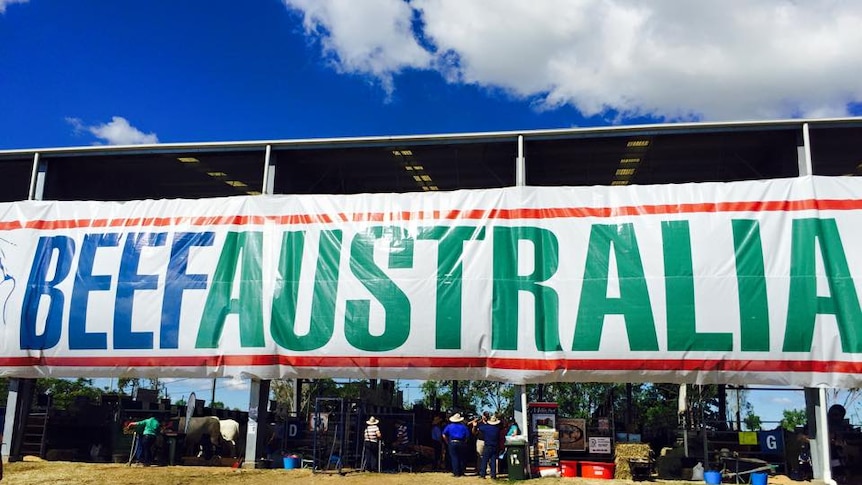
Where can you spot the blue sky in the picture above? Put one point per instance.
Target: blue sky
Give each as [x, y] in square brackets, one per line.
[79, 73]
[108, 72]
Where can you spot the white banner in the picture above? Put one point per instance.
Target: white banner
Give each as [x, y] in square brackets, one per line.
[748, 282]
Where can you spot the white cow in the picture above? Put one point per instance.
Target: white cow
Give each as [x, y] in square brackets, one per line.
[198, 427]
[229, 434]
[223, 434]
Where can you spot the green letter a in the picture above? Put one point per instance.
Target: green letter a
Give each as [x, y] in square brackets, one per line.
[249, 305]
[804, 304]
[633, 303]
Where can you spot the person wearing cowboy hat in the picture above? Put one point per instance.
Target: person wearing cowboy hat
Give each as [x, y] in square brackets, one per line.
[371, 447]
[455, 434]
[489, 431]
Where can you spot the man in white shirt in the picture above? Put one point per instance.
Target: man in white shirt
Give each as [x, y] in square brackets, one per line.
[371, 447]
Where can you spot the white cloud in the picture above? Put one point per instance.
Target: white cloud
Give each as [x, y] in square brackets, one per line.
[370, 37]
[710, 59]
[4, 3]
[118, 131]
[77, 124]
[236, 383]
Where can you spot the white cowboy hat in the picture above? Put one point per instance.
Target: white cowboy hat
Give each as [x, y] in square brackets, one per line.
[456, 418]
[373, 420]
[493, 420]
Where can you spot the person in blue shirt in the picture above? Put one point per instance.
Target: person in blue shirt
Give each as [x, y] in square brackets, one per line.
[489, 431]
[455, 434]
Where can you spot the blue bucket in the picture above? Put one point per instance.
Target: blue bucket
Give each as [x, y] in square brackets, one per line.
[712, 477]
[291, 462]
[758, 478]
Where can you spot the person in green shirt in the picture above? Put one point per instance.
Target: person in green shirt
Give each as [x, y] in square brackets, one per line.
[147, 429]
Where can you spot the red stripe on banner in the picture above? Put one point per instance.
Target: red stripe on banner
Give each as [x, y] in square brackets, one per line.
[543, 365]
[474, 214]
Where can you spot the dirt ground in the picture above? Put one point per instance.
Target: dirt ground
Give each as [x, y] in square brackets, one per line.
[58, 472]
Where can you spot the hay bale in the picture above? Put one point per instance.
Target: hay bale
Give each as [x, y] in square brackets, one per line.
[625, 452]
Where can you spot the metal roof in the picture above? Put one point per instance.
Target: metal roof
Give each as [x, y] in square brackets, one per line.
[618, 155]
[657, 128]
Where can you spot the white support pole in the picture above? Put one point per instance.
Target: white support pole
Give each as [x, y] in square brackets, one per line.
[268, 172]
[823, 438]
[521, 407]
[818, 435]
[520, 164]
[258, 422]
[37, 179]
[805, 160]
[11, 406]
[682, 409]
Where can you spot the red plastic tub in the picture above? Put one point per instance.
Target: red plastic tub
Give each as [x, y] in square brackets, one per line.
[569, 468]
[597, 469]
[545, 471]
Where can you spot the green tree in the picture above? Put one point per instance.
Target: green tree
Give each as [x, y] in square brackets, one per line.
[351, 389]
[793, 418]
[492, 396]
[477, 396]
[130, 383]
[752, 422]
[63, 392]
[437, 394]
[738, 406]
[281, 391]
[581, 399]
[659, 412]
